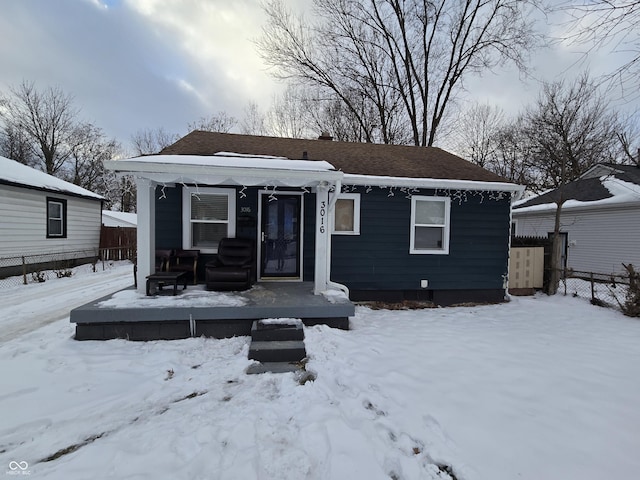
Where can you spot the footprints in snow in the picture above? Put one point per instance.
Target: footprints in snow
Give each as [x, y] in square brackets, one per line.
[409, 446]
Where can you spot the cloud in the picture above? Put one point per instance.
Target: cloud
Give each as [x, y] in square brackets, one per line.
[135, 64]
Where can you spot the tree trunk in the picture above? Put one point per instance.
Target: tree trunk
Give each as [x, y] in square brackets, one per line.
[556, 254]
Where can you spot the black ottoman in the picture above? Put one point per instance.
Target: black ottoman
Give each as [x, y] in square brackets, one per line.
[227, 278]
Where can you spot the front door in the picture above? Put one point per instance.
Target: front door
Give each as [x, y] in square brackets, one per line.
[281, 242]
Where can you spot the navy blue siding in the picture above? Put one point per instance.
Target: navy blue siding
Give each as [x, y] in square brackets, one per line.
[168, 217]
[379, 259]
[169, 222]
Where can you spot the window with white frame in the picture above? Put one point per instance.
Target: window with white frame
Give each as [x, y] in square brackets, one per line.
[430, 225]
[209, 215]
[56, 218]
[347, 214]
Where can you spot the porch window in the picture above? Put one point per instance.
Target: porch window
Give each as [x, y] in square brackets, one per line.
[347, 214]
[430, 225]
[56, 218]
[209, 216]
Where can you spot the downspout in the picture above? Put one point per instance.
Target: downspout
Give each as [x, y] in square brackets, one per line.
[332, 204]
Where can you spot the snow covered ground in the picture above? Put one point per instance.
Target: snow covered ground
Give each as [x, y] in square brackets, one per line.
[540, 388]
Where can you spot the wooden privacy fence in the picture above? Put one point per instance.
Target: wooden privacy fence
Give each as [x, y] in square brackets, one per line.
[118, 243]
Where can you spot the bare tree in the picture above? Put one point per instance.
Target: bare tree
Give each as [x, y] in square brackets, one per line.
[253, 120]
[629, 137]
[477, 130]
[404, 60]
[611, 24]
[570, 129]
[219, 122]
[14, 145]
[85, 165]
[151, 141]
[287, 116]
[41, 123]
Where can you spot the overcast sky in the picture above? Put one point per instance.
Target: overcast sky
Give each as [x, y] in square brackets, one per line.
[139, 64]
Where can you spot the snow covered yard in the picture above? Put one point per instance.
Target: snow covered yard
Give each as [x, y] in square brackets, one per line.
[540, 388]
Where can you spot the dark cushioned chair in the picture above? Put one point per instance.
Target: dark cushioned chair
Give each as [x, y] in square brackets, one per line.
[186, 261]
[233, 269]
[164, 258]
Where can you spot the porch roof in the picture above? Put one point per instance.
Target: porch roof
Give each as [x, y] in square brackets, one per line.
[228, 168]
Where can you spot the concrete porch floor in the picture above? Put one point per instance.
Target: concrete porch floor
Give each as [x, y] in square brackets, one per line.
[197, 312]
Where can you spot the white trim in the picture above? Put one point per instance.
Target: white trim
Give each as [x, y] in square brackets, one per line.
[215, 170]
[356, 214]
[440, 183]
[60, 219]
[146, 230]
[261, 193]
[446, 227]
[187, 192]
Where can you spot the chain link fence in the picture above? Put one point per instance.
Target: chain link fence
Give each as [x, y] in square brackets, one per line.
[39, 268]
[605, 290]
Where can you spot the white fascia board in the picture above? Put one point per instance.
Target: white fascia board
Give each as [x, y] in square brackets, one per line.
[370, 180]
[182, 172]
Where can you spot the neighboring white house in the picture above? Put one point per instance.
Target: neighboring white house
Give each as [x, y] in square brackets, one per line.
[600, 218]
[111, 218]
[41, 215]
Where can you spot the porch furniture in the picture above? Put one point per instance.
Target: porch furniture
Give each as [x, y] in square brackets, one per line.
[160, 278]
[233, 269]
[163, 260]
[187, 262]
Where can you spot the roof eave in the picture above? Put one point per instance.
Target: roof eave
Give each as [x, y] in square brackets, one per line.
[169, 172]
[366, 180]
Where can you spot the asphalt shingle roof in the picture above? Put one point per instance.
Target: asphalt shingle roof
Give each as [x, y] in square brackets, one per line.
[588, 189]
[353, 158]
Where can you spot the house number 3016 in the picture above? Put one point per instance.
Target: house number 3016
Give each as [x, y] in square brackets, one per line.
[323, 212]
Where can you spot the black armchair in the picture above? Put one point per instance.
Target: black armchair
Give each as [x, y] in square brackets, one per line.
[233, 269]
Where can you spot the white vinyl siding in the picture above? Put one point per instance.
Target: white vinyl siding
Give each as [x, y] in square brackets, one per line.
[599, 240]
[23, 222]
[209, 216]
[430, 225]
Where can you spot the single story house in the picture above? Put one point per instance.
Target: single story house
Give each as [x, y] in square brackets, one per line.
[600, 218]
[380, 222]
[44, 220]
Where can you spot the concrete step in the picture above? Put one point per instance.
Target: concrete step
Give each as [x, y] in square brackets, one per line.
[277, 351]
[273, 367]
[263, 331]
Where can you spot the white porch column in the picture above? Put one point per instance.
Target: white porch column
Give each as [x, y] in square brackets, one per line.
[322, 238]
[146, 234]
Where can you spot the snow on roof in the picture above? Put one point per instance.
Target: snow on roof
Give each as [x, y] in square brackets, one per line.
[234, 160]
[621, 193]
[16, 172]
[112, 218]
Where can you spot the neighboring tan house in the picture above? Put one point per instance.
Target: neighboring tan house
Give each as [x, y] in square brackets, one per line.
[383, 222]
[44, 219]
[600, 218]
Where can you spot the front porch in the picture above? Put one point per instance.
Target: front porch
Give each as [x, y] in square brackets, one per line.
[196, 312]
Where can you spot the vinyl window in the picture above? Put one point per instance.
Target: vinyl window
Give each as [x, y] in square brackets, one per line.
[430, 222]
[209, 216]
[347, 214]
[56, 218]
